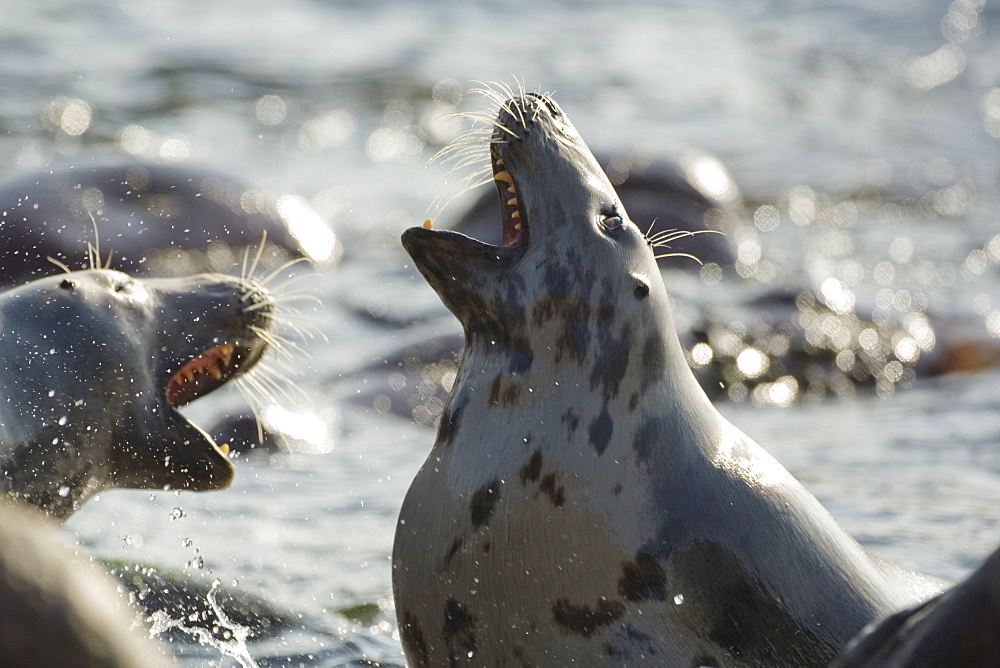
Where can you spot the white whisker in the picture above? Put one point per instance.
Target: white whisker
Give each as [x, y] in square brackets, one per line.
[256, 259]
[59, 264]
[688, 255]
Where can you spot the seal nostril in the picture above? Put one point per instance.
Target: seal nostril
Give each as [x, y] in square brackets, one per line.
[67, 284]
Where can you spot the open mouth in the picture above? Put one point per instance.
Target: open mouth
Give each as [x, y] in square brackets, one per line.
[515, 222]
[203, 374]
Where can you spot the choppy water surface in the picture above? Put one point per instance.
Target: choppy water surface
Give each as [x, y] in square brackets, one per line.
[864, 139]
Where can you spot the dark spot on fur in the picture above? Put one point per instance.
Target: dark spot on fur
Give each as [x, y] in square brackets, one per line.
[610, 360]
[633, 401]
[520, 361]
[519, 654]
[412, 637]
[653, 360]
[483, 502]
[571, 420]
[600, 431]
[647, 438]
[581, 620]
[556, 279]
[617, 489]
[753, 625]
[487, 546]
[450, 419]
[455, 547]
[633, 645]
[556, 494]
[495, 332]
[459, 632]
[577, 318]
[532, 469]
[576, 339]
[514, 300]
[642, 579]
[504, 392]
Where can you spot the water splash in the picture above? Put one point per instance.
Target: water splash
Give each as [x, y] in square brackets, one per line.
[233, 642]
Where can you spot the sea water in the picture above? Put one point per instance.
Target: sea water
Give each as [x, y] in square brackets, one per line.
[886, 116]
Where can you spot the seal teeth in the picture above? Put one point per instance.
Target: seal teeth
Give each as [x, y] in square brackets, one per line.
[512, 224]
[187, 384]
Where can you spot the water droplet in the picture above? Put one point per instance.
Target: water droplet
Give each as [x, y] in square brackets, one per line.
[678, 599]
[176, 514]
[52, 393]
[63, 420]
[64, 491]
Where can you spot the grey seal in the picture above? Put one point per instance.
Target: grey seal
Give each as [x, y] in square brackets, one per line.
[156, 217]
[956, 628]
[94, 366]
[56, 608]
[584, 502]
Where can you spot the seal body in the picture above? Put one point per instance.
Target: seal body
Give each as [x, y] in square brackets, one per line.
[58, 609]
[584, 503]
[157, 218]
[94, 365]
[956, 628]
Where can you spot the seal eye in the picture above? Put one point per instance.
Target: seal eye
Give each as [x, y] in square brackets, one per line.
[642, 289]
[611, 222]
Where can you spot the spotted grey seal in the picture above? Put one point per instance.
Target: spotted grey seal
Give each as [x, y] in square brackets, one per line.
[95, 364]
[584, 503]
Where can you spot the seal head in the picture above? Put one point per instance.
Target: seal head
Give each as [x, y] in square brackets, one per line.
[97, 363]
[584, 501]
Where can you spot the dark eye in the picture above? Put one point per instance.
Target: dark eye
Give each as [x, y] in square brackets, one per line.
[611, 222]
[121, 287]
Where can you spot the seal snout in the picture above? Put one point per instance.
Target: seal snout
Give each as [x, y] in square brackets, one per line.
[237, 334]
